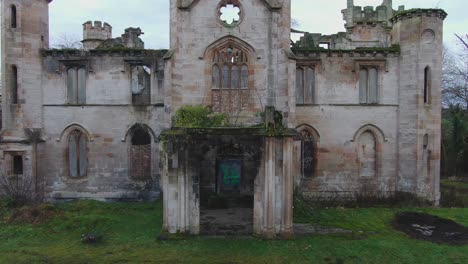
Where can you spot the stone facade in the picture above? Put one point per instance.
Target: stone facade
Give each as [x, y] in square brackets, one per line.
[365, 105]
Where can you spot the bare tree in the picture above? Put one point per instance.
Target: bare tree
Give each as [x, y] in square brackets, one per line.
[455, 76]
[67, 41]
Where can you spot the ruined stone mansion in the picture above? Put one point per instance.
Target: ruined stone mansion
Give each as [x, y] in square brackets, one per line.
[354, 112]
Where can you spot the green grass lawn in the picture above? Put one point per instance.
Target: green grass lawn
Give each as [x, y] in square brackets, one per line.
[129, 233]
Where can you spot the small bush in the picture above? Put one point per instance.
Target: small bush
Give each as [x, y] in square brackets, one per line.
[17, 190]
[90, 238]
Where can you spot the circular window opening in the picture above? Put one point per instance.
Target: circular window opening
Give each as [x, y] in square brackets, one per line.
[230, 13]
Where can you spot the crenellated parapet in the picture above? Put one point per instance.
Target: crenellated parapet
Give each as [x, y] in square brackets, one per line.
[357, 15]
[95, 34]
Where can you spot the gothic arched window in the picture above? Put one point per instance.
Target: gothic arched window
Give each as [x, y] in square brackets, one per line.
[231, 65]
[308, 154]
[367, 154]
[77, 154]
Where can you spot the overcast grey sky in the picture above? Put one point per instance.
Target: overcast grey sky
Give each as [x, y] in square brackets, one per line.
[320, 16]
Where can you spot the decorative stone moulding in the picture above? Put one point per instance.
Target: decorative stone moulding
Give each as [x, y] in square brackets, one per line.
[187, 4]
[417, 13]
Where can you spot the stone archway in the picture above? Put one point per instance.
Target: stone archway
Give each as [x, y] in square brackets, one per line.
[270, 172]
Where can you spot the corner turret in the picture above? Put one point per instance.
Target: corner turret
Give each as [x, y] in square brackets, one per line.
[95, 34]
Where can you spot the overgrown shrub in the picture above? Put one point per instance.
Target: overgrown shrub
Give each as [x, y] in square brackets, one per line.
[198, 116]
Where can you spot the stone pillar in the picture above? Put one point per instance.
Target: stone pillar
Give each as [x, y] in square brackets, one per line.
[180, 202]
[273, 207]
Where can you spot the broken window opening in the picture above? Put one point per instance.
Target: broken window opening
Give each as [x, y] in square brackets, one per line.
[76, 85]
[77, 154]
[368, 85]
[140, 153]
[14, 84]
[324, 45]
[18, 165]
[141, 84]
[13, 16]
[305, 85]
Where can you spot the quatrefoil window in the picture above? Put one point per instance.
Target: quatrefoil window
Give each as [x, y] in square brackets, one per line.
[230, 13]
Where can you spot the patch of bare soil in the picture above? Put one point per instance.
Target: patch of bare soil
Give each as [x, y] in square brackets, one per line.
[431, 228]
[36, 214]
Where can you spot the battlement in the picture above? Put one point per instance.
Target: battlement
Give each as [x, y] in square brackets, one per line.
[96, 31]
[354, 15]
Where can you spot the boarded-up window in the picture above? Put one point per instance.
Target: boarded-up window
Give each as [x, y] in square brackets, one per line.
[141, 85]
[368, 85]
[18, 165]
[14, 84]
[427, 84]
[13, 16]
[140, 153]
[77, 154]
[308, 154]
[305, 85]
[234, 77]
[244, 77]
[215, 76]
[76, 85]
[367, 155]
[225, 76]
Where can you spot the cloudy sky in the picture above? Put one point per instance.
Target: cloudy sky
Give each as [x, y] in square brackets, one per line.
[321, 16]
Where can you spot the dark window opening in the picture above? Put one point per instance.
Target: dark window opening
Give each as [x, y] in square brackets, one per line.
[427, 77]
[18, 165]
[140, 136]
[308, 155]
[13, 17]
[14, 85]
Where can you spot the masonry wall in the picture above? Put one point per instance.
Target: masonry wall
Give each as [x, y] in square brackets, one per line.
[337, 116]
[106, 117]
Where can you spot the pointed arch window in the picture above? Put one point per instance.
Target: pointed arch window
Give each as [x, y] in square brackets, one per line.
[367, 153]
[230, 69]
[13, 13]
[308, 154]
[77, 154]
